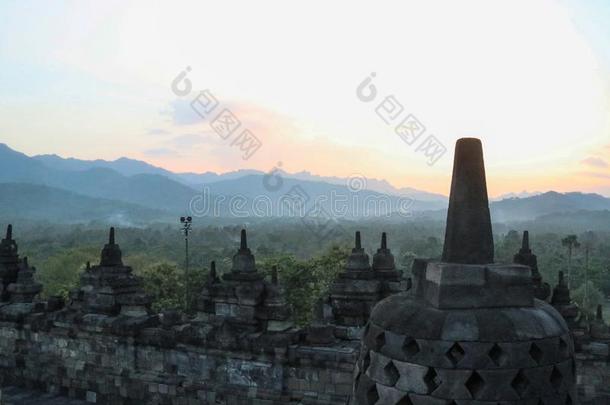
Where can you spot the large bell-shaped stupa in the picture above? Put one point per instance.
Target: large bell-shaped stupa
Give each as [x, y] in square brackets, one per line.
[469, 331]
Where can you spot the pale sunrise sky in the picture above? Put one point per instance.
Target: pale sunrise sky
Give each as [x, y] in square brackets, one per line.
[530, 78]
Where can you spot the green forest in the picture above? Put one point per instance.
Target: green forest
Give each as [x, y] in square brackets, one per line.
[307, 258]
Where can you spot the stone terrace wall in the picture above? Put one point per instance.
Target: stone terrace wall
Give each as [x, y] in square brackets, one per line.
[111, 369]
[593, 374]
[106, 346]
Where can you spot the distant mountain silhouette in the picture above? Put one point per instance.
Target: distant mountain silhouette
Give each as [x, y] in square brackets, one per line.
[577, 221]
[380, 186]
[545, 206]
[130, 167]
[146, 187]
[149, 190]
[513, 209]
[522, 194]
[43, 203]
[124, 166]
[15, 166]
[354, 204]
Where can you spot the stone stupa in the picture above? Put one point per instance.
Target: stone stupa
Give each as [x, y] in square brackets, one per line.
[470, 331]
[562, 302]
[599, 330]
[111, 288]
[525, 257]
[17, 282]
[384, 267]
[355, 291]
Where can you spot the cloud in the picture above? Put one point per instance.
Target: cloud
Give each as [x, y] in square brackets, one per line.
[157, 131]
[161, 152]
[596, 175]
[185, 112]
[594, 162]
[187, 140]
[181, 112]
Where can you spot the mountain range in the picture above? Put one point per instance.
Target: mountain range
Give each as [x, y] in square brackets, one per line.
[130, 167]
[131, 191]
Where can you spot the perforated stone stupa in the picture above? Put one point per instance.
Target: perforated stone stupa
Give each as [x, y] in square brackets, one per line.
[470, 331]
[17, 276]
[562, 302]
[242, 302]
[542, 290]
[111, 288]
[356, 290]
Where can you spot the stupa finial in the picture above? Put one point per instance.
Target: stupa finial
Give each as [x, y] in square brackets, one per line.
[468, 236]
[383, 259]
[213, 276]
[243, 260]
[525, 244]
[358, 244]
[8, 247]
[111, 254]
[274, 275]
[244, 240]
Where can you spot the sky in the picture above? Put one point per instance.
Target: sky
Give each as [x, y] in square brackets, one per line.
[325, 87]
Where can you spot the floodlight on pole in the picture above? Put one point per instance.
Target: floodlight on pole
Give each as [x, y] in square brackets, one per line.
[186, 228]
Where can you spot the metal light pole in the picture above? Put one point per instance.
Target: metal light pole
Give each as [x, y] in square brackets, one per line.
[586, 298]
[186, 227]
[589, 238]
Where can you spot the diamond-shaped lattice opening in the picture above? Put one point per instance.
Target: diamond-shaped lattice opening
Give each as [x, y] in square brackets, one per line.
[563, 348]
[573, 367]
[536, 353]
[520, 383]
[366, 362]
[357, 381]
[475, 384]
[380, 341]
[405, 401]
[391, 373]
[455, 354]
[372, 396]
[556, 378]
[569, 400]
[432, 380]
[410, 347]
[497, 355]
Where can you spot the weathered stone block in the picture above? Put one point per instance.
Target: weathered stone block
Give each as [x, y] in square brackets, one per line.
[451, 285]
